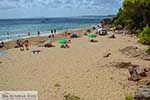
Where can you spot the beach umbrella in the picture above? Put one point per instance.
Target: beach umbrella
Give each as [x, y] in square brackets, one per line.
[92, 35]
[63, 41]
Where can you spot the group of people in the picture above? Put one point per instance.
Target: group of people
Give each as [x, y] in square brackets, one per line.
[52, 33]
[23, 44]
[101, 30]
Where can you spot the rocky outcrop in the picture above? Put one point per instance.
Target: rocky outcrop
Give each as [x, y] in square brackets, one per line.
[143, 93]
[136, 73]
[133, 51]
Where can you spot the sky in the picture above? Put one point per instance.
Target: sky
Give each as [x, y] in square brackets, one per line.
[57, 8]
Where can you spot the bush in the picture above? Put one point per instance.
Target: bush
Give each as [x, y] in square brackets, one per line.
[145, 35]
[71, 97]
[129, 97]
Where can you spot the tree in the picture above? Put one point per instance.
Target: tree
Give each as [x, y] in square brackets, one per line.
[134, 14]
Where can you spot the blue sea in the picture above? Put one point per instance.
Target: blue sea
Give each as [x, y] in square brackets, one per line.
[17, 28]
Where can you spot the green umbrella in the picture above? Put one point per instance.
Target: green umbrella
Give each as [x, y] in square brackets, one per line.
[63, 41]
[92, 35]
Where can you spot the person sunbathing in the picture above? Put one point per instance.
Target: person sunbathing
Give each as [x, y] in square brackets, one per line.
[48, 45]
[64, 46]
[67, 46]
[92, 40]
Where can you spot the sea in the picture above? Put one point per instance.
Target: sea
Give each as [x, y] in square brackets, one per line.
[11, 29]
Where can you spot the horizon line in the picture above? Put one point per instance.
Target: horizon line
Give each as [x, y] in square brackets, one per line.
[109, 15]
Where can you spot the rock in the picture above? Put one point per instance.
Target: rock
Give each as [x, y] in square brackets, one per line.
[133, 75]
[112, 37]
[107, 55]
[136, 73]
[132, 51]
[143, 93]
[145, 81]
[146, 57]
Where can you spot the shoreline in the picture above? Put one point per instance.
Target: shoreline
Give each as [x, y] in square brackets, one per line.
[46, 34]
[36, 40]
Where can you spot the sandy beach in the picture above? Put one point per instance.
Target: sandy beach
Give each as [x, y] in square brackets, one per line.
[80, 70]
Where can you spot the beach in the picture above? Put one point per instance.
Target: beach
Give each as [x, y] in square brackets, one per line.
[80, 70]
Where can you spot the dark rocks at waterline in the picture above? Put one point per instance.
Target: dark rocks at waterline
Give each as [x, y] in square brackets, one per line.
[143, 93]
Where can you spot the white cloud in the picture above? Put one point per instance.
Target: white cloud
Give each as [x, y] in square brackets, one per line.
[58, 7]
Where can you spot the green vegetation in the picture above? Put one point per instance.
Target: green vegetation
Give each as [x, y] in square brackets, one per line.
[145, 35]
[71, 97]
[134, 14]
[129, 97]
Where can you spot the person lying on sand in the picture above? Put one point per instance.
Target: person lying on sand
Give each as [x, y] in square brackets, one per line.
[47, 44]
[92, 40]
[64, 46]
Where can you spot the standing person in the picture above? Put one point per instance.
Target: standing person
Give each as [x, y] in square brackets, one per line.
[7, 35]
[29, 33]
[51, 31]
[38, 33]
[53, 35]
[49, 36]
[54, 31]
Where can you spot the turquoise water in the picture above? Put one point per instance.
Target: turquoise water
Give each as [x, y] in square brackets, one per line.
[16, 28]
